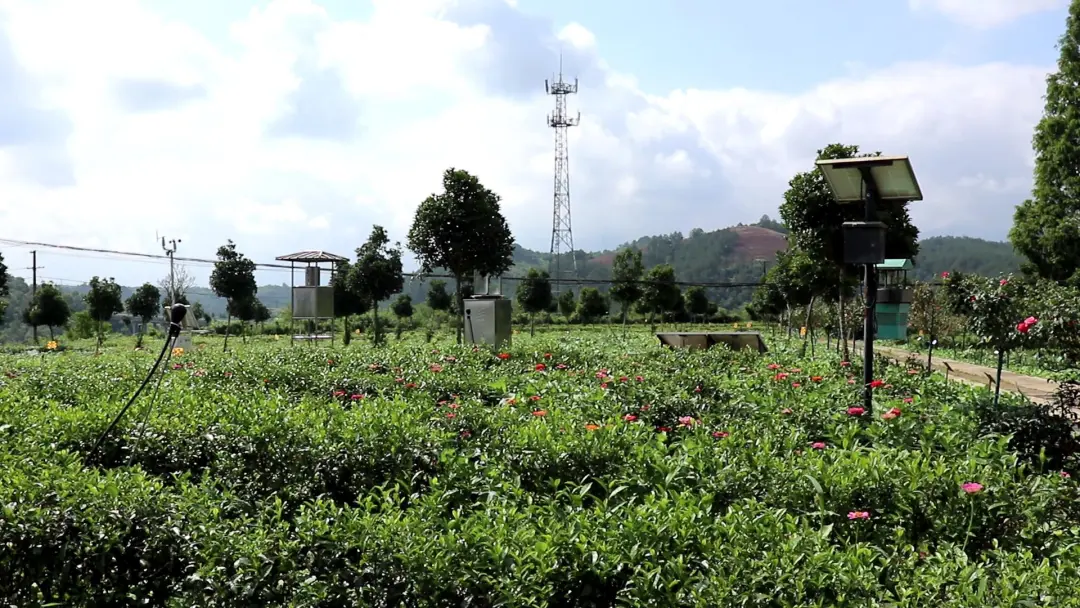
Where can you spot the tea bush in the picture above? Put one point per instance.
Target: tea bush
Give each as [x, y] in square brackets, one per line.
[576, 469]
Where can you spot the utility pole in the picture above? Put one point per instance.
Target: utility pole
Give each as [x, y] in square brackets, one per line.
[33, 283]
[562, 237]
[170, 249]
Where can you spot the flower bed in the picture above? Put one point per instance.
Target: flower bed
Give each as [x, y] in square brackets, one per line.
[585, 469]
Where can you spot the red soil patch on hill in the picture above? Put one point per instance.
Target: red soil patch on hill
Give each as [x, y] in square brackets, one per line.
[756, 242]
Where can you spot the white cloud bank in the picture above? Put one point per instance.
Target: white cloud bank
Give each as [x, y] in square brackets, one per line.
[301, 131]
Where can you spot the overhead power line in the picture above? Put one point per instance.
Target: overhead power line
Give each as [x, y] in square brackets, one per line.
[160, 258]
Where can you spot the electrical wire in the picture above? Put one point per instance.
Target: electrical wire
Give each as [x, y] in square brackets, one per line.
[141, 428]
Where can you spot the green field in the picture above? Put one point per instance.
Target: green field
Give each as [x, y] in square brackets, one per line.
[579, 468]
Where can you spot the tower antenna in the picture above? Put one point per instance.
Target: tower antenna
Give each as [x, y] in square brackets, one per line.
[562, 235]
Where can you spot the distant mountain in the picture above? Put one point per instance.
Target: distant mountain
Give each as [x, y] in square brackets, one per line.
[730, 255]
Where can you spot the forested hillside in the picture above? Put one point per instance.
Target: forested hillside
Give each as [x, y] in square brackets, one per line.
[731, 255]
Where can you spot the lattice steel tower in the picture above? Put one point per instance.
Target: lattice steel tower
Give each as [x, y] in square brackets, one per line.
[562, 236]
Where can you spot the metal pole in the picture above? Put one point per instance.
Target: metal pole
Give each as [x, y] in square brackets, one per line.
[292, 303]
[33, 286]
[930, 353]
[870, 280]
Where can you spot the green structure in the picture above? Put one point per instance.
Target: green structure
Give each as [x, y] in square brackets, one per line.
[893, 299]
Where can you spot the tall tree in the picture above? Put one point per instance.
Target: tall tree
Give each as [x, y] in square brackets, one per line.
[696, 302]
[437, 296]
[233, 278]
[49, 308]
[661, 294]
[626, 273]
[567, 304]
[462, 230]
[815, 222]
[102, 302]
[346, 302]
[592, 304]
[144, 305]
[1046, 227]
[402, 309]
[377, 273]
[534, 295]
[198, 313]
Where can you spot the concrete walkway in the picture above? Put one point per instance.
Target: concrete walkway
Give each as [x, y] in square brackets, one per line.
[1039, 390]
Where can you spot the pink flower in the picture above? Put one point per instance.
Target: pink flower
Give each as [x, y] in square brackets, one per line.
[858, 515]
[687, 421]
[435, 367]
[893, 413]
[1065, 475]
[720, 434]
[972, 487]
[855, 411]
[786, 411]
[629, 418]
[639, 378]
[945, 274]
[845, 364]
[818, 445]
[1003, 282]
[774, 366]
[795, 385]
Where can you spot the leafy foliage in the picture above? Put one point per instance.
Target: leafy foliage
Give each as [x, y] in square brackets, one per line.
[402, 306]
[1045, 227]
[591, 305]
[48, 307]
[233, 278]
[661, 294]
[637, 476]
[103, 300]
[437, 296]
[377, 273]
[696, 301]
[627, 271]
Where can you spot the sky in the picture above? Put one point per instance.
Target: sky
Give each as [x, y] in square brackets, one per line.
[287, 125]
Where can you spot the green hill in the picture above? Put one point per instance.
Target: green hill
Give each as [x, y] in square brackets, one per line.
[730, 255]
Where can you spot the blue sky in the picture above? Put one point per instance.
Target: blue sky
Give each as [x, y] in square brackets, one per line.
[293, 124]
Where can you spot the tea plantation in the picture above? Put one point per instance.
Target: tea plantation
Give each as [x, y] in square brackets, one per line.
[575, 469]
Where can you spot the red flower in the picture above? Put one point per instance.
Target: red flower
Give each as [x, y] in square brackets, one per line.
[816, 379]
[629, 418]
[877, 384]
[410, 385]
[774, 366]
[540, 413]
[639, 378]
[435, 367]
[818, 445]
[623, 379]
[893, 413]
[855, 411]
[357, 397]
[504, 356]
[663, 429]
[534, 398]
[540, 367]
[780, 376]
[465, 434]
[720, 434]
[339, 393]
[845, 364]
[547, 355]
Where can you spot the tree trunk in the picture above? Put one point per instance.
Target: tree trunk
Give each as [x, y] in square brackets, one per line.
[228, 324]
[843, 337]
[376, 336]
[51, 338]
[460, 309]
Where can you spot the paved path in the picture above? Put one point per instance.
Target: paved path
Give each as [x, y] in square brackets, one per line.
[1039, 390]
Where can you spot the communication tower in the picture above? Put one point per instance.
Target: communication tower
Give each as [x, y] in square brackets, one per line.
[562, 235]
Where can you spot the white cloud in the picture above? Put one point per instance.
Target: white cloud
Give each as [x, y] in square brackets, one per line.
[300, 131]
[985, 14]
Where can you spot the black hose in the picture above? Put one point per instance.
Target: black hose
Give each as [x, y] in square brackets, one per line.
[174, 333]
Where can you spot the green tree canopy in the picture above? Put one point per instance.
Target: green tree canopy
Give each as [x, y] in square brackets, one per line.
[402, 306]
[377, 273]
[1046, 227]
[592, 304]
[103, 300]
[534, 294]
[48, 307]
[233, 278]
[567, 304]
[437, 296]
[696, 301]
[626, 273]
[462, 230]
[143, 303]
[661, 294]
